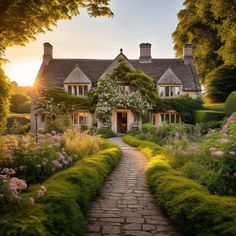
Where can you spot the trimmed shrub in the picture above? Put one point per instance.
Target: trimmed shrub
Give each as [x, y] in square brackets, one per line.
[105, 133]
[62, 210]
[215, 107]
[20, 103]
[149, 128]
[203, 116]
[148, 148]
[188, 203]
[230, 104]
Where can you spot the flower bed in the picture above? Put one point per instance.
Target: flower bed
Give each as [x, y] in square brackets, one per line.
[189, 204]
[59, 208]
[25, 160]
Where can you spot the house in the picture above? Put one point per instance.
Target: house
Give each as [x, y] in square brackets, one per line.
[173, 77]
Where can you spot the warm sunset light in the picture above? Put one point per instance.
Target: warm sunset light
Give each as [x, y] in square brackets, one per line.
[23, 72]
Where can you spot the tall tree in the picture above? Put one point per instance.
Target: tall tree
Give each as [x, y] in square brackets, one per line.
[21, 20]
[210, 27]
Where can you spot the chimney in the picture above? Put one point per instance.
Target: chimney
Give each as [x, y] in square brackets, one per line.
[145, 53]
[47, 55]
[188, 53]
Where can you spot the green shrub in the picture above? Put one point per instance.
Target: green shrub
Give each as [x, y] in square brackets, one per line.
[188, 203]
[24, 107]
[215, 106]
[149, 128]
[148, 148]
[20, 103]
[60, 124]
[230, 104]
[62, 211]
[105, 133]
[182, 104]
[203, 116]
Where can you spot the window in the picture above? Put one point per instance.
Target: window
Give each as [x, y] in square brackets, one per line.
[83, 119]
[124, 89]
[74, 118]
[78, 90]
[170, 117]
[75, 90]
[70, 89]
[169, 91]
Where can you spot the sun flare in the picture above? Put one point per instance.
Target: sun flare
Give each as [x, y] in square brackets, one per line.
[23, 72]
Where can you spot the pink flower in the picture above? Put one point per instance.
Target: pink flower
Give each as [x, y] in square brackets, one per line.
[226, 140]
[218, 153]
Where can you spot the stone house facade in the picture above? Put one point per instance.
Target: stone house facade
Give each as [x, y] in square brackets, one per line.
[173, 77]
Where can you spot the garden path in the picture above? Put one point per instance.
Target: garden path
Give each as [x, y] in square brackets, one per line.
[125, 206]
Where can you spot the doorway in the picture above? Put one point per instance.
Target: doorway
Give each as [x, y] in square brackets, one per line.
[121, 122]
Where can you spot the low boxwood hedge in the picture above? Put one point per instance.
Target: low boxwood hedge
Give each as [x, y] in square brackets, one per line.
[230, 104]
[146, 147]
[69, 193]
[203, 116]
[188, 203]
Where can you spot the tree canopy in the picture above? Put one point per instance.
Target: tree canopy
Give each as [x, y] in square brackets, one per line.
[210, 27]
[21, 20]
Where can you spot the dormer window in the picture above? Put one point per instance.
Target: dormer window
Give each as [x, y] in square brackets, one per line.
[169, 91]
[78, 90]
[77, 83]
[169, 85]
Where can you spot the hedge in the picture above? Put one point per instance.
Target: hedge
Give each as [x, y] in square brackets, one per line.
[69, 193]
[203, 116]
[230, 104]
[146, 147]
[188, 203]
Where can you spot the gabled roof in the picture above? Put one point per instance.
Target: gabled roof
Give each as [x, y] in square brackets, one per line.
[58, 70]
[115, 63]
[77, 76]
[169, 78]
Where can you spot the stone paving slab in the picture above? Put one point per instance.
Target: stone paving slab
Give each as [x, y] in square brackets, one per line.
[125, 205]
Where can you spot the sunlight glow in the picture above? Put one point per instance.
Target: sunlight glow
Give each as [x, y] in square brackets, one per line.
[23, 72]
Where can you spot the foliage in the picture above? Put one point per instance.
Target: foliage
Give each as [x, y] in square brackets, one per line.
[63, 208]
[183, 104]
[82, 144]
[60, 124]
[220, 83]
[203, 116]
[146, 147]
[105, 98]
[214, 106]
[18, 128]
[230, 104]
[105, 133]
[210, 27]
[18, 103]
[188, 203]
[149, 128]
[34, 162]
[36, 17]
[5, 94]
[56, 101]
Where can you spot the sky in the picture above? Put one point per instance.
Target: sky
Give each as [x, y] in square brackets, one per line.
[134, 22]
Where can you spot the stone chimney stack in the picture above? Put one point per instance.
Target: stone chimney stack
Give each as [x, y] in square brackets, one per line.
[145, 53]
[47, 55]
[188, 53]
